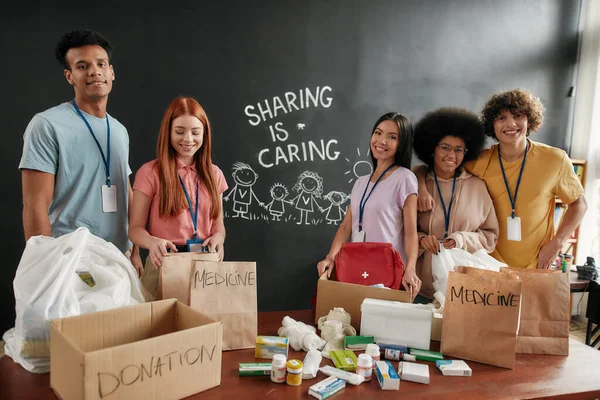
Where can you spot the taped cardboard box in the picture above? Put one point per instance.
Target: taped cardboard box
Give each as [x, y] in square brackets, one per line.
[331, 293]
[148, 351]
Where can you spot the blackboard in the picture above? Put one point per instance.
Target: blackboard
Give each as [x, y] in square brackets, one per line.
[328, 69]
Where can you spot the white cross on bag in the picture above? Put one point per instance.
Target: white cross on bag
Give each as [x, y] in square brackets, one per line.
[365, 275]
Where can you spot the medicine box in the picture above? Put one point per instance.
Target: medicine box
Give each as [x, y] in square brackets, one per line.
[454, 368]
[268, 346]
[414, 372]
[387, 376]
[344, 359]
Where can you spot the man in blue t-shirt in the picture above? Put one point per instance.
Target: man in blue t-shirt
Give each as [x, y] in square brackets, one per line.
[75, 163]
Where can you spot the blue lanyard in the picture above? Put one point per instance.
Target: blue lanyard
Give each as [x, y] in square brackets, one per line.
[446, 213]
[363, 201]
[513, 200]
[187, 196]
[107, 158]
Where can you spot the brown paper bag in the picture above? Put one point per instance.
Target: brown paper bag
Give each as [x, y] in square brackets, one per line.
[545, 314]
[176, 274]
[481, 316]
[226, 291]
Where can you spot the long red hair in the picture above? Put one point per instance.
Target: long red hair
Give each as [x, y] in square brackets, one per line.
[172, 198]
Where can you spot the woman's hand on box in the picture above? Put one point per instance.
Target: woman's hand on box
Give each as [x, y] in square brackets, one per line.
[411, 280]
[325, 265]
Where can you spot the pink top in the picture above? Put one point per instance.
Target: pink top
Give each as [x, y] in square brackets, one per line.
[383, 219]
[180, 228]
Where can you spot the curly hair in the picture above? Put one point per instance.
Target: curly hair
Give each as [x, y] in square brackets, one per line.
[80, 38]
[513, 100]
[309, 174]
[448, 121]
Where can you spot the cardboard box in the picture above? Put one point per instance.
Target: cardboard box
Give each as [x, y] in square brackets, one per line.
[331, 293]
[159, 350]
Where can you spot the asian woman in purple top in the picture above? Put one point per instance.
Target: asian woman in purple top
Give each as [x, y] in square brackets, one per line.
[383, 205]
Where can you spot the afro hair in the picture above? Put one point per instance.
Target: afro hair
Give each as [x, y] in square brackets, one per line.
[448, 121]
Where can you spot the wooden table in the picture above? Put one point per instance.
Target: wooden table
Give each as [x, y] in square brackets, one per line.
[535, 376]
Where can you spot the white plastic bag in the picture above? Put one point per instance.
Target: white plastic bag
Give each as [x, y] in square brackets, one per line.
[447, 259]
[49, 284]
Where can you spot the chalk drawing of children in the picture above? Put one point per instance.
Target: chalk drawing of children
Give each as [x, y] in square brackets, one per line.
[244, 178]
[277, 206]
[309, 186]
[335, 213]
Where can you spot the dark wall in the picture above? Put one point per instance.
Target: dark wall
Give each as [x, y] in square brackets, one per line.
[364, 58]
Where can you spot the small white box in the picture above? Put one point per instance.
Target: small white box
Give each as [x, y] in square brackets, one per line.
[386, 375]
[454, 368]
[395, 322]
[413, 372]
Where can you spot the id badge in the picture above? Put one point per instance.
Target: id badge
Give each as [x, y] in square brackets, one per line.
[358, 236]
[513, 228]
[195, 245]
[109, 198]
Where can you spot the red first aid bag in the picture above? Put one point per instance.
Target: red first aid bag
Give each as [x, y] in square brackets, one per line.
[369, 263]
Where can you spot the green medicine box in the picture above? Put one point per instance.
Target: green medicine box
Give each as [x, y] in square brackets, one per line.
[344, 359]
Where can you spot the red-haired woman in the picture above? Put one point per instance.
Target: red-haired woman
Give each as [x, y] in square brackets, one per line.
[177, 198]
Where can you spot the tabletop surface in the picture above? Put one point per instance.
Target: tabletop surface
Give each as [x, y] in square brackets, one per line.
[534, 376]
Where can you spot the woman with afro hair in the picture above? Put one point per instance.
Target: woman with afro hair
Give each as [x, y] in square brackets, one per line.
[463, 216]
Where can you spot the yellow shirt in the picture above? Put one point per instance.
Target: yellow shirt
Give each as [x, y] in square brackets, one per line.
[548, 172]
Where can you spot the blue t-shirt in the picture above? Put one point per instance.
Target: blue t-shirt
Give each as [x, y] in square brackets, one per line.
[58, 142]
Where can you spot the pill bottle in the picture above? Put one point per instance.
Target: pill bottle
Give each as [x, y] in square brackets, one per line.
[364, 366]
[373, 351]
[278, 368]
[294, 372]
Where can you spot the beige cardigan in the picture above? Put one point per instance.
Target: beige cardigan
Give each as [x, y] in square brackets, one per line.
[473, 223]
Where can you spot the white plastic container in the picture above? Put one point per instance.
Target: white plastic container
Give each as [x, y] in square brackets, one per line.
[364, 366]
[278, 368]
[375, 353]
[395, 322]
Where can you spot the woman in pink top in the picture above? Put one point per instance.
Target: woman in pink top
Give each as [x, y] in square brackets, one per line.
[177, 198]
[389, 213]
[464, 215]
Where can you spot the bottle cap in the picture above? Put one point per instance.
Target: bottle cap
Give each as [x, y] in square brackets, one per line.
[294, 365]
[372, 349]
[364, 360]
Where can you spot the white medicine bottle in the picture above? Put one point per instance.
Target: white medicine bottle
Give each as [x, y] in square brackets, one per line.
[374, 351]
[278, 368]
[364, 366]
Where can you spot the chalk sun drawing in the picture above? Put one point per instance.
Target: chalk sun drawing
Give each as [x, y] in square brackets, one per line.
[360, 167]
